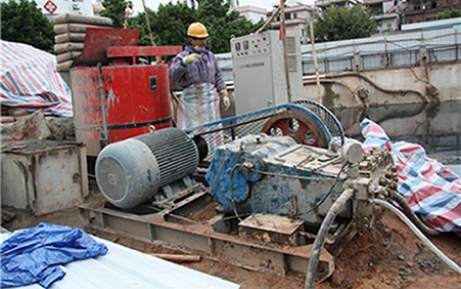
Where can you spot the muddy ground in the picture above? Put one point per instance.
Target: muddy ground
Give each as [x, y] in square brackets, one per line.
[387, 256]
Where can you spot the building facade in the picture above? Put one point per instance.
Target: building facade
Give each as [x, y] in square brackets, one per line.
[51, 8]
[296, 18]
[389, 15]
[427, 10]
[338, 3]
[251, 13]
[393, 15]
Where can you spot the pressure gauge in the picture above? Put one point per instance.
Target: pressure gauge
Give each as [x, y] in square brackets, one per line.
[352, 152]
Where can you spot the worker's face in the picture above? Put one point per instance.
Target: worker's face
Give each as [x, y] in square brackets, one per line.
[198, 43]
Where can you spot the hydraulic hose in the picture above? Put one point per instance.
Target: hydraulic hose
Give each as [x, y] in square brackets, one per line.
[418, 233]
[412, 216]
[321, 236]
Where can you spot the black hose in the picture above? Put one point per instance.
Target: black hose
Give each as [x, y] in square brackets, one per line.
[412, 216]
[321, 236]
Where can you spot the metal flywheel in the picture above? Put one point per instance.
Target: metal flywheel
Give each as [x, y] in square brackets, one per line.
[303, 128]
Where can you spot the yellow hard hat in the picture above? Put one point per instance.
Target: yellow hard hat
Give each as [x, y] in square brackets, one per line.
[197, 30]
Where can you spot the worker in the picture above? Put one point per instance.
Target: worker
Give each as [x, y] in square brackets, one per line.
[196, 70]
[128, 12]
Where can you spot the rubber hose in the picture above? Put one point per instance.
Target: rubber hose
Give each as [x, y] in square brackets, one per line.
[412, 216]
[418, 233]
[321, 236]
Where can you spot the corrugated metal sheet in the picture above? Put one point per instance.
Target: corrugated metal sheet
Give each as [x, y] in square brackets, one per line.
[377, 52]
[383, 51]
[125, 268]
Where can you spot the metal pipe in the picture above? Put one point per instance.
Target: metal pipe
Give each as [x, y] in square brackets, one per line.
[289, 151]
[285, 52]
[102, 96]
[269, 21]
[314, 57]
[321, 236]
[418, 233]
[152, 41]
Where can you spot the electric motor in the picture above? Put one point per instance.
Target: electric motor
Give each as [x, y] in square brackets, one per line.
[131, 171]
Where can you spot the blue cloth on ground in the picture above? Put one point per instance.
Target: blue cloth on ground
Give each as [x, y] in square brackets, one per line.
[34, 254]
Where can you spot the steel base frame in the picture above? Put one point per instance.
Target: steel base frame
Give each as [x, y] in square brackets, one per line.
[210, 238]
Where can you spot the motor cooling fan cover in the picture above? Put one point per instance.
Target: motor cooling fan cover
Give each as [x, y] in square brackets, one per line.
[127, 173]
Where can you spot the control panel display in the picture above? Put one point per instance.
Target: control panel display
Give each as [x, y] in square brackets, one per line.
[251, 45]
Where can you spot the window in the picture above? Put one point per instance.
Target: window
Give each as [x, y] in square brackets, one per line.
[295, 15]
[449, 2]
[287, 15]
[431, 5]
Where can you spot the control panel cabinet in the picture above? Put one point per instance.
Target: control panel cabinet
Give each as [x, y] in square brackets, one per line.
[259, 70]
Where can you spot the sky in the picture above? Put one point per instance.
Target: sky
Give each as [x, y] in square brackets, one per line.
[266, 4]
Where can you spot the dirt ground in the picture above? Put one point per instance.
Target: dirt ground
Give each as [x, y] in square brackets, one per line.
[387, 256]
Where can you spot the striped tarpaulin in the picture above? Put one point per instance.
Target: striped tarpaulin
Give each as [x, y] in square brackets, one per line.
[29, 81]
[432, 190]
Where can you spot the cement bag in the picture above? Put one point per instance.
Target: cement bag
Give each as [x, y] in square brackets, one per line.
[64, 66]
[72, 27]
[71, 55]
[69, 46]
[69, 37]
[78, 18]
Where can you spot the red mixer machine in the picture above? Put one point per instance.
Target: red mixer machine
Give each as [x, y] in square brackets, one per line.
[115, 96]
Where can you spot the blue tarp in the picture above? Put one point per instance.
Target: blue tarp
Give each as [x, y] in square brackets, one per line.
[34, 255]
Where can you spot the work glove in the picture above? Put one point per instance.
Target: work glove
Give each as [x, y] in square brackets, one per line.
[224, 99]
[194, 57]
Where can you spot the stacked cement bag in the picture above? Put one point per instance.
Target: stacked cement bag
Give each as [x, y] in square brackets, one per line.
[70, 36]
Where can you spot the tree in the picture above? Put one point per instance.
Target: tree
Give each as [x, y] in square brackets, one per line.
[169, 24]
[222, 26]
[115, 10]
[452, 13]
[139, 22]
[340, 23]
[23, 22]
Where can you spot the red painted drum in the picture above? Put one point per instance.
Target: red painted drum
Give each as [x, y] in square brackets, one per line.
[114, 95]
[136, 99]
